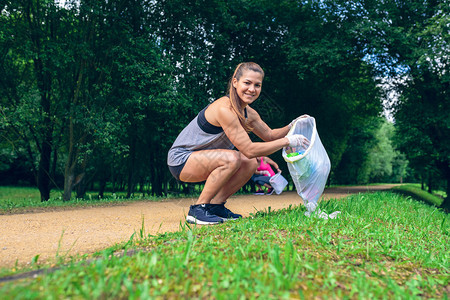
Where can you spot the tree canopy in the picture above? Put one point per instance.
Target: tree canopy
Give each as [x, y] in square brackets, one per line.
[95, 92]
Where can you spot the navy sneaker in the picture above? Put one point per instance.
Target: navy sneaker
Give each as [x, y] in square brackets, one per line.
[259, 192]
[269, 191]
[199, 214]
[222, 212]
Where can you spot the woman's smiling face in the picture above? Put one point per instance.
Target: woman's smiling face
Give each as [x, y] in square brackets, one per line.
[248, 87]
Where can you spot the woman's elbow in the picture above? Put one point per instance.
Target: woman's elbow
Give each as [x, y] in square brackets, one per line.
[272, 136]
[249, 152]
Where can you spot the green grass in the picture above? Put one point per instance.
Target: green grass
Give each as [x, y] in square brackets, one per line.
[414, 191]
[24, 198]
[383, 246]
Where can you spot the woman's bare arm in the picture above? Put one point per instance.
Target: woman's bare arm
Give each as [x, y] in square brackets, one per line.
[228, 120]
[261, 129]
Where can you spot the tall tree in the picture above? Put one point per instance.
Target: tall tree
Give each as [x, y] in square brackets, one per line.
[89, 69]
[122, 76]
[31, 57]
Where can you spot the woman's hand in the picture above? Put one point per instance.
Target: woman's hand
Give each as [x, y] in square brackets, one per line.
[298, 140]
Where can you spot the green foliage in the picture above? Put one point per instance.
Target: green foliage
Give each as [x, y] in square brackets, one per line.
[410, 40]
[105, 76]
[382, 154]
[371, 156]
[354, 164]
[385, 162]
[381, 245]
[123, 78]
[333, 83]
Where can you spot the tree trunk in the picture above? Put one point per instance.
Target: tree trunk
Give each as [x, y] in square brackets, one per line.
[81, 182]
[430, 182]
[81, 186]
[131, 165]
[446, 203]
[113, 177]
[43, 178]
[44, 84]
[152, 172]
[43, 80]
[159, 181]
[69, 172]
[53, 168]
[166, 187]
[68, 183]
[102, 187]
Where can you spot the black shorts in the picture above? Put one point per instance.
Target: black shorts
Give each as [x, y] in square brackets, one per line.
[261, 179]
[176, 171]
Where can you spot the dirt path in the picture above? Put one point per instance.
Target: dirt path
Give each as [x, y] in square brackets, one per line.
[87, 230]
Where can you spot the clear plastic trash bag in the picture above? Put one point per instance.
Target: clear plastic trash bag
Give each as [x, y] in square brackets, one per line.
[309, 168]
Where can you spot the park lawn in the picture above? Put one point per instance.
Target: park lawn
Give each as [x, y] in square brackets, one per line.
[382, 245]
[414, 191]
[23, 198]
[11, 196]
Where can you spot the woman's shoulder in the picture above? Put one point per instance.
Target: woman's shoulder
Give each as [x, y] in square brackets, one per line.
[219, 110]
[251, 110]
[221, 103]
[224, 100]
[253, 115]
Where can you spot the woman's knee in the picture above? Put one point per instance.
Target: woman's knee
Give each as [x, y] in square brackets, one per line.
[249, 163]
[232, 159]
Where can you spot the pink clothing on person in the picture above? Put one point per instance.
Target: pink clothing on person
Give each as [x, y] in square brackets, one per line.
[265, 167]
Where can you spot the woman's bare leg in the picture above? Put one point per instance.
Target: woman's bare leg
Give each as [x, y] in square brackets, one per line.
[214, 166]
[240, 178]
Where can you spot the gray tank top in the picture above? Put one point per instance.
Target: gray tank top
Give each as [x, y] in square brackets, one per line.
[199, 134]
